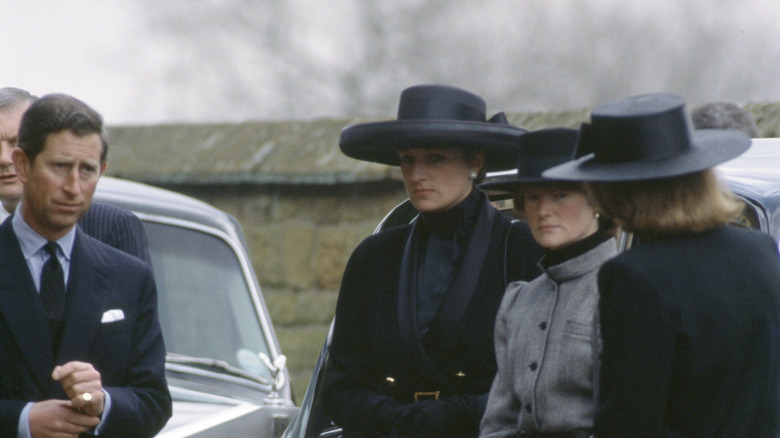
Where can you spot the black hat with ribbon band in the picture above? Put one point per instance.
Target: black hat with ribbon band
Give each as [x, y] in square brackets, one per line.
[435, 116]
[646, 137]
[538, 151]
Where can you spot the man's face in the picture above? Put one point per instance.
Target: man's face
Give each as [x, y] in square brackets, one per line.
[59, 184]
[10, 186]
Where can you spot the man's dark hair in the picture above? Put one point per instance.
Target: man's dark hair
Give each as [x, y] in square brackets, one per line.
[54, 113]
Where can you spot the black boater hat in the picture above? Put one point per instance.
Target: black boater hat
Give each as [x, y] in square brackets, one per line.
[538, 151]
[434, 116]
[646, 137]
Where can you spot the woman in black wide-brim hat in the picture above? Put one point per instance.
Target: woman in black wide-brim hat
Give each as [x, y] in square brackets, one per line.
[689, 316]
[546, 330]
[412, 347]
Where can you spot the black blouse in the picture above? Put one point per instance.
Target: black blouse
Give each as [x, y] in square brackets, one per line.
[443, 238]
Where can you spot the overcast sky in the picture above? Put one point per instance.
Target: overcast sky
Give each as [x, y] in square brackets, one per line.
[72, 46]
[104, 52]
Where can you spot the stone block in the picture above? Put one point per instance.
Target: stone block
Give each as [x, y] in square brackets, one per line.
[334, 246]
[297, 248]
[255, 209]
[264, 246]
[329, 205]
[289, 308]
[302, 346]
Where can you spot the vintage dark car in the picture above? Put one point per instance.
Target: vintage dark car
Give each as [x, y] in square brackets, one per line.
[225, 369]
[753, 177]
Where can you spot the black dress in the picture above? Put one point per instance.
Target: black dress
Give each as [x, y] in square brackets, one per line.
[379, 360]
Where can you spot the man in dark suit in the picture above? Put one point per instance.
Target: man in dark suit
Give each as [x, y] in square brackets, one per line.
[80, 340]
[107, 223]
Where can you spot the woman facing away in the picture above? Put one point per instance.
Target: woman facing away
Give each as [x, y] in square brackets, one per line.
[412, 347]
[689, 316]
[546, 335]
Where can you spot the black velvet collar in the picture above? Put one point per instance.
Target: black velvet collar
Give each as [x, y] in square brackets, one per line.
[558, 256]
[457, 218]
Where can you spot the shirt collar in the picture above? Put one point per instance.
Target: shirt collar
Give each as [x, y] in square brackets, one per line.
[32, 242]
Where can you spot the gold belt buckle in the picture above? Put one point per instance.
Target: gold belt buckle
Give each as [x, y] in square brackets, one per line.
[429, 395]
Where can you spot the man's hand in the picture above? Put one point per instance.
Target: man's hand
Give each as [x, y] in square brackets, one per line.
[81, 382]
[58, 418]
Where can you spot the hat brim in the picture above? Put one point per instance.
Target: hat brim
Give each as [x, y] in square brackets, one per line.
[512, 183]
[709, 147]
[380, 142]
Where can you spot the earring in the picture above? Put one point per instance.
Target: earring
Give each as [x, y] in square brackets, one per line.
[473, 174]
[596, 215]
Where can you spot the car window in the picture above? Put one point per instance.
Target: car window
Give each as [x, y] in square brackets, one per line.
[204, 299]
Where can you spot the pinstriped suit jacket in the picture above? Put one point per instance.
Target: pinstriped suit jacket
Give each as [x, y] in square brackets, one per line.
[117, 227]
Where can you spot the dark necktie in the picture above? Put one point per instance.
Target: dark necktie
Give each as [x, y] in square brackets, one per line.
[53, 291]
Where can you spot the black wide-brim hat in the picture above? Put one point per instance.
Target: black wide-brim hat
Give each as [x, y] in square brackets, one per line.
[435, 116]
[646, 137]
[538, 151]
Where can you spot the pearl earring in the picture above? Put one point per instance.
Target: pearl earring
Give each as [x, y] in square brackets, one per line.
[473, 174]
[596, 215]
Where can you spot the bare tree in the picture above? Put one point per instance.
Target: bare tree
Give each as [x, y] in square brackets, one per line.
[272, 59]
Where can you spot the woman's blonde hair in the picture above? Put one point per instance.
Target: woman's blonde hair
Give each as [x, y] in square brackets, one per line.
[689, 203]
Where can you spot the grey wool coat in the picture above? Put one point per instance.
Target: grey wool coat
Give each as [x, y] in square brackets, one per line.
[545, 348]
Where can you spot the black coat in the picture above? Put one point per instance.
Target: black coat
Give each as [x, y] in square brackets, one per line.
[690, 337]
[375, 363]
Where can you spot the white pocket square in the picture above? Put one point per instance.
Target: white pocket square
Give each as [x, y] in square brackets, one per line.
[112, 315]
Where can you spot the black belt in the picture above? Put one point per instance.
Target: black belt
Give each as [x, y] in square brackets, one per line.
[581, 433]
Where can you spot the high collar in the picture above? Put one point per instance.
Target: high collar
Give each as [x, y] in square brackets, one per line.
[560, 255]
[458, 217]
[581, 264]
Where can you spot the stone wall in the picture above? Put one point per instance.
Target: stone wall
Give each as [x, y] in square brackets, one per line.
[303, 205]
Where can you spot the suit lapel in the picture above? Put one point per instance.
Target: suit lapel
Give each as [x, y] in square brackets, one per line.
[407, 312]
[464, 284]
[407, 303]
[21, 309]
[86, 295]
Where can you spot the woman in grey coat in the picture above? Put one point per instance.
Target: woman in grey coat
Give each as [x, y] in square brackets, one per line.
[546, 336]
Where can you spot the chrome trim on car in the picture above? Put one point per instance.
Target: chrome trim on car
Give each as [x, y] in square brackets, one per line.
[211, 421]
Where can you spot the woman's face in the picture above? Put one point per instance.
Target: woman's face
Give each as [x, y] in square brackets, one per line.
[437, 179]
[558, 215]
